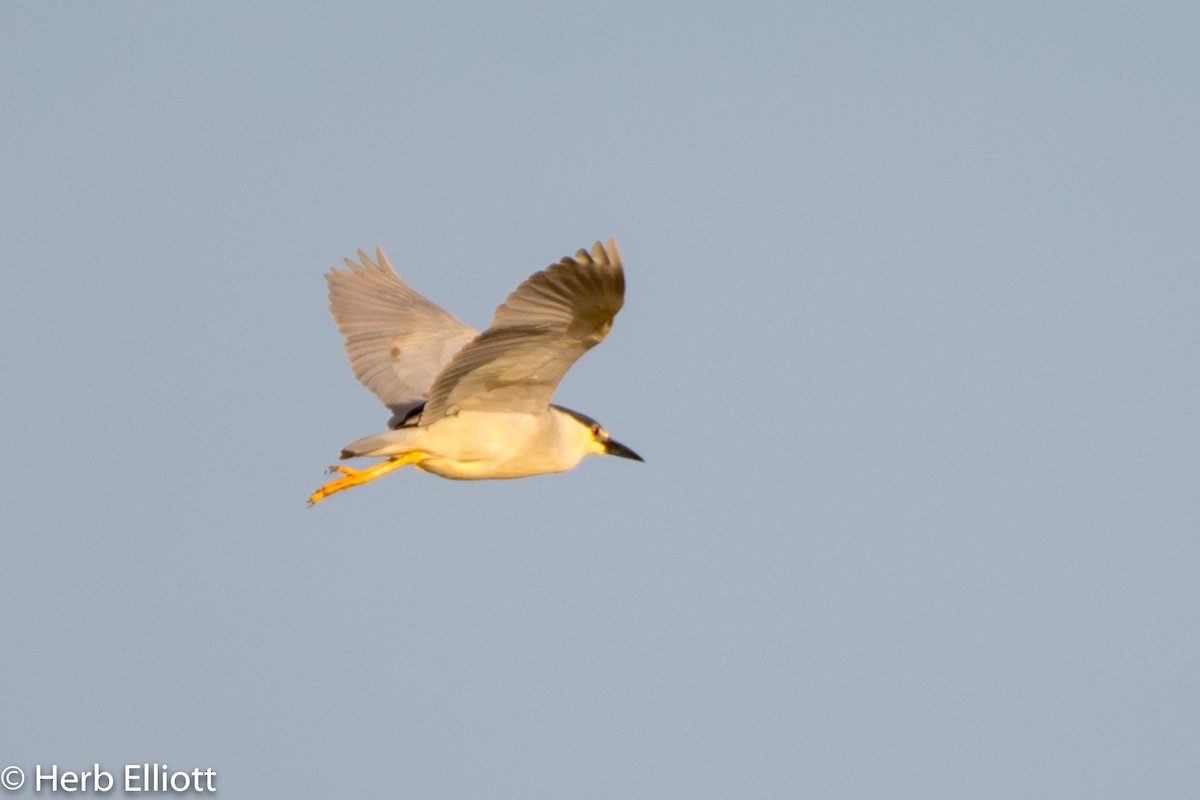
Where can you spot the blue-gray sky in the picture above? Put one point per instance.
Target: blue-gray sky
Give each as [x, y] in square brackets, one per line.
[910, 346]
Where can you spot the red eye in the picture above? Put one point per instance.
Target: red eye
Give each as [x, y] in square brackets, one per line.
[595, 430]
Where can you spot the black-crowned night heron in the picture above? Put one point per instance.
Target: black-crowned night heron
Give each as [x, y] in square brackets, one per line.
[469, 405]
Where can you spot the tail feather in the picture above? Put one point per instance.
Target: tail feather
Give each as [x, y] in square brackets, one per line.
[390, 443]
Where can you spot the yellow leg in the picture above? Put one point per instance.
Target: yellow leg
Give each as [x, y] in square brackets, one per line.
[357, 477]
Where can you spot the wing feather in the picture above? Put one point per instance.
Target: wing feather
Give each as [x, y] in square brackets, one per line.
[552, 319]
[397, 341]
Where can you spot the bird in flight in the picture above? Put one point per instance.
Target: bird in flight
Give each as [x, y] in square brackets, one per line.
[469, 405]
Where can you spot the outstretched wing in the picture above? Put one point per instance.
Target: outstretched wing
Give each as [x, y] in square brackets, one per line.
[543, 328]
[397, 341]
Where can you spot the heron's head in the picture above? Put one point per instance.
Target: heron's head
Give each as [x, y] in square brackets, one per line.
[596, 440]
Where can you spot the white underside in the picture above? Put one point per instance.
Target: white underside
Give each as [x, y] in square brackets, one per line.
[483, 445]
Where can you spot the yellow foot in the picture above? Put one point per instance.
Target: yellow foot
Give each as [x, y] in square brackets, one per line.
[357, 477]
